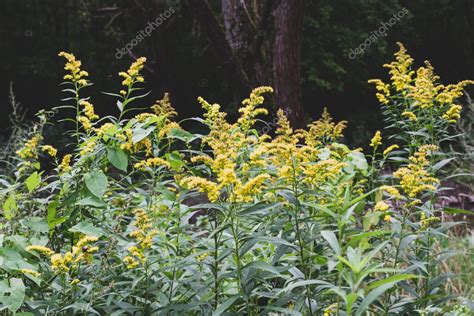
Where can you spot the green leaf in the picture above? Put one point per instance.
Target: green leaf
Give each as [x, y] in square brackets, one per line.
[118, 158]
[261, 265]
[96, 182]
[15, 294]
[452, 210]
[332, 240]
[180, 134]
[10, 207]
[175, 160]
[393, 278]
[225, 306]
[33, 181]
[86, 229]
[140, 133]
[91, 201]
[372, 297]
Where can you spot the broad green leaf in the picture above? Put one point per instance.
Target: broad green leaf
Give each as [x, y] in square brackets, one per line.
[15, 295]
[96, 182]
[91, 201]
[140, 133]
[10, 207]
[118, 158]
[86, 229]
[33, 181]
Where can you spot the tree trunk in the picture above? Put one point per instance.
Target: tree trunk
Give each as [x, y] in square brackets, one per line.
[245, 26]
[286, 59]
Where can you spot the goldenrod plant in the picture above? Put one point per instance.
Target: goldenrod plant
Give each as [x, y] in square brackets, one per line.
[141, 217]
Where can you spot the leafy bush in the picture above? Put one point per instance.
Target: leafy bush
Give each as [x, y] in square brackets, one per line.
[144, 217]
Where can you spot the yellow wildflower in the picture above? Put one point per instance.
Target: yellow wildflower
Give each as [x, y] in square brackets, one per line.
[414, 178]
[381, 206]
[89, 110]
[253, 187]
[383, 90]
[250, 111]
[75, 281]
[390, 190]
[50, 150]
[410, 115]
[400, 72]
[324, 130]
[376, 140]
[130, 262]
[30, 272]
[64, 166]
[202, 256]
[163, 107]
[41, 249]
[387, 218]
[76, 75]
[85, 122]
[203, 185]
[29, 148]
[390, 149]
[88, 147]
[425, 222]
[132, 75]
[453, 114]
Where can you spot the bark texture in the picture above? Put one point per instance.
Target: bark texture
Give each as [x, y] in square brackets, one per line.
[286, 59]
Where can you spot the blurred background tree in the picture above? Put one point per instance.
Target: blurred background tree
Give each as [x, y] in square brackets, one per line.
[220, 49]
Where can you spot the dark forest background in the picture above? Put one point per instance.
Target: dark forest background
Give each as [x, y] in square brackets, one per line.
[221, 49]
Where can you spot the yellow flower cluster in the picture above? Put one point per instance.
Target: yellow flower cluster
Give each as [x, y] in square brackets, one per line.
[65, 163]
[241, 161]
[88, 147]
[132, 75]
[381, 206]
[426, 221]
[390, 190]
[163, 107]
[324, 130]
[30, 272]
[390, 149]
[250, 110]
[453, 114]
[41, 249]
[410, 115]
[62, 263]
[76, 75]
[376, 141]
[414, 178]
[106, 129]
[424, 90]
[89, 110]
[143, 235]
[400, 69]
[203, 185]
[29, 149]
[151, 162]
[383, 90]
[85, 122]
[131, 147]
[50, 150]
